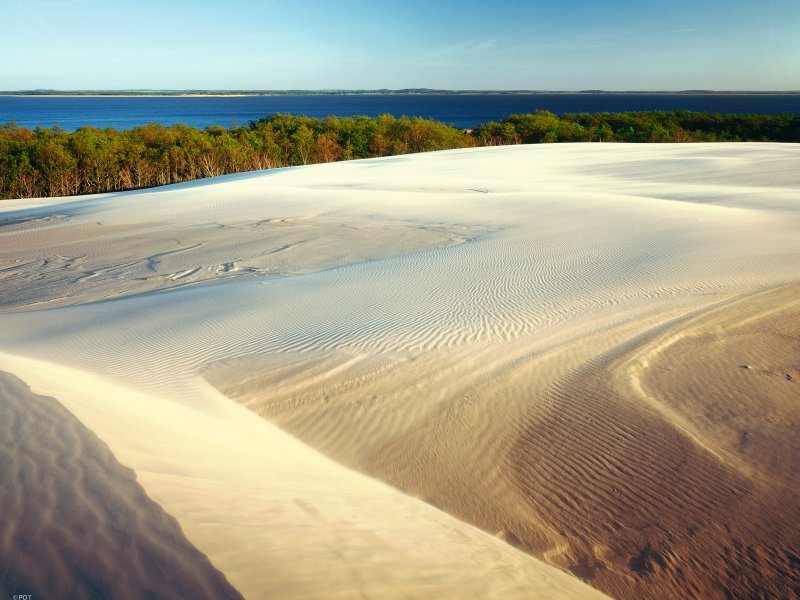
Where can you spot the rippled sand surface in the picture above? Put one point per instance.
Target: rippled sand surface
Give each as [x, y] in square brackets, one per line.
[573, 364]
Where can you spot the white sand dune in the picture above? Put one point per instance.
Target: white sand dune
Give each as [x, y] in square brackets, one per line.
[76, 524]
[445, 322]
[281, 520]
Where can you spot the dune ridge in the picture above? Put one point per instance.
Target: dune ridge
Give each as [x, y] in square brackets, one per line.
[488, 340]
[76, 524]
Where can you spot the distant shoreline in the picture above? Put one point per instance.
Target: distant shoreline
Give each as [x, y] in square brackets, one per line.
[381, 92]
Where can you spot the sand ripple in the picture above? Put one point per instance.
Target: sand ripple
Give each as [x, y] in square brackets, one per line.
[76, 524]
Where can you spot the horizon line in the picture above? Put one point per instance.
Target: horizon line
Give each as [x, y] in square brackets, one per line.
[407, 90]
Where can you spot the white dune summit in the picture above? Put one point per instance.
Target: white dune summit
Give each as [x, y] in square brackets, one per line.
[428, 376]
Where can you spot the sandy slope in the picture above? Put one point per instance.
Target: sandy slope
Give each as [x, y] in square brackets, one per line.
[76, 524]
[282, 521]
[487, 330]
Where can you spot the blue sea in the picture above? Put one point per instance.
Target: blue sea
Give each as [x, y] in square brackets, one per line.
[463, 111]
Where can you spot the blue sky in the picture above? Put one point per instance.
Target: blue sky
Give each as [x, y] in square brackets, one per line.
[500, 44]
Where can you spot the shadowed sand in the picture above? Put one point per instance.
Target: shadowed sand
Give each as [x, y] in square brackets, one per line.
[76, 524]
[572, 362]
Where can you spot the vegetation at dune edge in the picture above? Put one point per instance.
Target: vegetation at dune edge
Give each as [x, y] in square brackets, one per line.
[54, 162]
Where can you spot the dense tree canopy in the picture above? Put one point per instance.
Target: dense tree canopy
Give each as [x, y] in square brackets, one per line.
[53, 162]
[676, 126]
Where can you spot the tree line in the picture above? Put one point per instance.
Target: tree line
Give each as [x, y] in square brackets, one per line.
[53, 162]
[656, 126]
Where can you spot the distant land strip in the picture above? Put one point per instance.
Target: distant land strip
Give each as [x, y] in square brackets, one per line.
[53, 162]
[337, 92]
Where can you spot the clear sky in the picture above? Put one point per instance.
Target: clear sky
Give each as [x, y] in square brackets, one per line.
[466, 44]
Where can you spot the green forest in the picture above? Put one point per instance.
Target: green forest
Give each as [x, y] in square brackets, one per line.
[53, 162]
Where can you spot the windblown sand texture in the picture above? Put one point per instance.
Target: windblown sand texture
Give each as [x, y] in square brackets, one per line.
[572, 362]
[75, 522]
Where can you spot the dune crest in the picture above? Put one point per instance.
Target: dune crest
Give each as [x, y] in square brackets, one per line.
[76, 524]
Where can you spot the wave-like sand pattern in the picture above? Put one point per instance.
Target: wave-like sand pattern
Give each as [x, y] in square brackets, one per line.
[279, 519]
[76, 524]
[475, 350]
[80, 261]
[558, 452]
[651, 493]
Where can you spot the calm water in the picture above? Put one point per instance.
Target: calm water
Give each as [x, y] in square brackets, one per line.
[463, 111]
